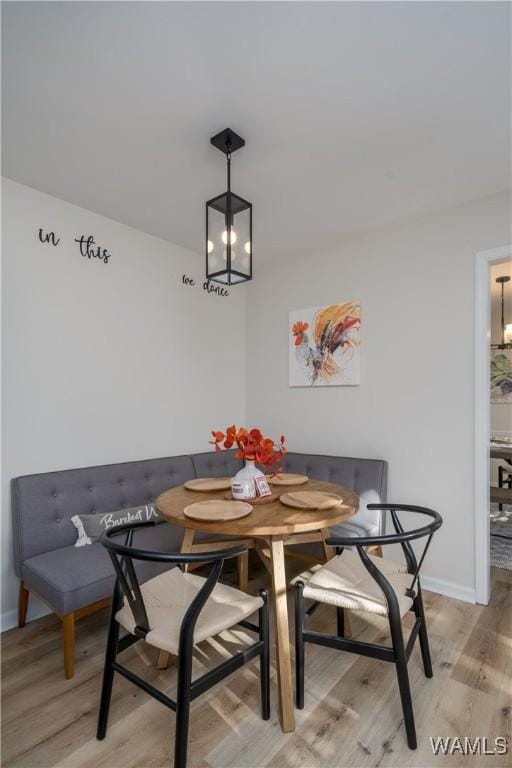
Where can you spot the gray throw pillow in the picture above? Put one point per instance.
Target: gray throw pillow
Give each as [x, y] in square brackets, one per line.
[91, 527]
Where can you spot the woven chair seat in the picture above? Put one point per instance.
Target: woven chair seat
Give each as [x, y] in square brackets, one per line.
[167, 598]
[345, 583]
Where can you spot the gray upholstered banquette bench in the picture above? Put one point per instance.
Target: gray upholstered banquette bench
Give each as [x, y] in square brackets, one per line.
[75, 581]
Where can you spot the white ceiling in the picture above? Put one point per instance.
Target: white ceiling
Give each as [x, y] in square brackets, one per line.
[355, 114]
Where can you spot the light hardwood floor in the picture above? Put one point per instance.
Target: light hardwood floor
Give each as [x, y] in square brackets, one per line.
[352, 711]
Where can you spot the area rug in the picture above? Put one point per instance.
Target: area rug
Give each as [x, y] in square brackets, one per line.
[501, 536]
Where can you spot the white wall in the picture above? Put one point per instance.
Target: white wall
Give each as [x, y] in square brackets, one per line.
[120, 361]
[414, 406]
[106, 362]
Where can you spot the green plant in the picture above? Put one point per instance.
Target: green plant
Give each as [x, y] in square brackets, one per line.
[501, 373]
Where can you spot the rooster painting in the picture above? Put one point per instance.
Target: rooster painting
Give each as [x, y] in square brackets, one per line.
[324, 348]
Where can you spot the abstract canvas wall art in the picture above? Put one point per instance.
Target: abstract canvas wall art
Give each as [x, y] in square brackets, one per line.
[324, 345]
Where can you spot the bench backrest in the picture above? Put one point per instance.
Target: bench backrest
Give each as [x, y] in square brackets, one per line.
[44, 504]
[367, 477]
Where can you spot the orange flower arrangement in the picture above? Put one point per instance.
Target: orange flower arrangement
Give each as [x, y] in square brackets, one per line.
[251, 444]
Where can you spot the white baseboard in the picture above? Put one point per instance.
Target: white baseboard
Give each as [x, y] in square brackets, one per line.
[449, 589]
[9, 619]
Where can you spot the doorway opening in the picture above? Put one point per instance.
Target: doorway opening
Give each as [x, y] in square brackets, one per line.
[493, 416]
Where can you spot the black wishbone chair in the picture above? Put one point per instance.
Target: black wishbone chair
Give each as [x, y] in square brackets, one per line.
[365, 582]
[504, 480]
[172, 612]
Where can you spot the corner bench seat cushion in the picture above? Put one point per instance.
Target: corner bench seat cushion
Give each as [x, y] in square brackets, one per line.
[72, 577]
[167, 598]
[355, 527]
[345, 583]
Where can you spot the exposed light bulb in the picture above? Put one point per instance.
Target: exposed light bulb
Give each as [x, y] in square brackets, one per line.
[247, 247]
[210, 246]
[508, 332]
[225, 237]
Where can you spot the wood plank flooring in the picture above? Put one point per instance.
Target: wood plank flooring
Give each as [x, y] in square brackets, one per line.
[352, 713]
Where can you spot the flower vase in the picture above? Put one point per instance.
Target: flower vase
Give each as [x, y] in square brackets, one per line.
[243, 485]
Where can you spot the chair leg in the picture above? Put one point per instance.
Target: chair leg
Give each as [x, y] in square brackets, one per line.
[108, 676]
[403, 676]
[423, 635]
[501, 476]
[340, 622]
[344, 627]
[68, 626]
[347, 625]
[183, 705]
[22, 605]
[243, 572]
[265, 656]
[163, 660]
[299, 645]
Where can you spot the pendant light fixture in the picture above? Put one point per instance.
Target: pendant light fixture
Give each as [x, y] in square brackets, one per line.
[228, 225]
[506, 329]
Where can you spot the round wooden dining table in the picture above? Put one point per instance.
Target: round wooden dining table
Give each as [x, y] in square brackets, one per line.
[268, 529]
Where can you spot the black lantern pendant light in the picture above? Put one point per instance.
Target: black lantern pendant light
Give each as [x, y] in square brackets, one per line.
[506, 329]
[228, 225]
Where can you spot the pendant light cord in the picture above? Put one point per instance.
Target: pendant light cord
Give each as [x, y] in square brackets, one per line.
[228, 156]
